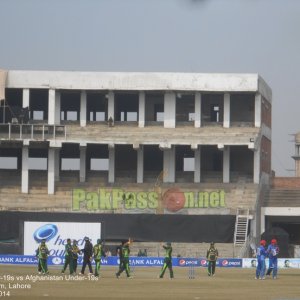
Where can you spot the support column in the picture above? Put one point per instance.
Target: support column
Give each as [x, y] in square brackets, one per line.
[111, 163]
[197, 171]
[257, 116]
[83, 109]
[170, 110]
[142, 97]
[169, 164]
[262, 221]
[57, 108]
[25, 98]
[111, 106]
[198, 110]
[51, 171]
[256, 167]
[226, 118]
[82, 172]
[140, 164]
[226, 164]
[53, 107]
[25, 173]
[57, 164]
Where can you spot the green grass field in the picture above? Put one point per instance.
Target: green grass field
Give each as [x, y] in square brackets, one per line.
[227, 284]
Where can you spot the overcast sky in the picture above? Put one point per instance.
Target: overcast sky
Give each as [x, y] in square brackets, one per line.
[205, 36]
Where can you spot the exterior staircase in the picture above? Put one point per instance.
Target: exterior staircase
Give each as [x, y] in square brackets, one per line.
[241, 227]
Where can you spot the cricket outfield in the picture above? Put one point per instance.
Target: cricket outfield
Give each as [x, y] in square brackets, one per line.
[23, 282]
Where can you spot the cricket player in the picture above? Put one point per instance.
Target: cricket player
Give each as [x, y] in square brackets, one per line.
[124, 258]
[272, 252]
[261, 264]
[98, 253]
[68, 257]
[42, 254]
[212, 256]
[167, 261]
[75, 252]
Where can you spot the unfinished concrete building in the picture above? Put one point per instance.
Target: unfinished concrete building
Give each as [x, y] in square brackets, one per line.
[134, 145]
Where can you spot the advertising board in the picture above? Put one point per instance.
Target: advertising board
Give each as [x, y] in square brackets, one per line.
[56, 235]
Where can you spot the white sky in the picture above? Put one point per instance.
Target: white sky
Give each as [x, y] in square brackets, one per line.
[214, 36]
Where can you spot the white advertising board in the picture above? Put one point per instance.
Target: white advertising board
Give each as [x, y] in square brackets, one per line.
[56, 235]
[283, 263]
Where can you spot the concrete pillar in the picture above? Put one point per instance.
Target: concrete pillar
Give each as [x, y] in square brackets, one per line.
[262, 220]
[169, 164]
[25, 98]
[51, 107]
[256, 167]
[257, 116]
[25, 173]
[140, 164]
[54, 107]
[111, 163]
[51, 171]
[226, 119]
[83, 109]
[142, 97]
[170, 110]
[56, 164]
[197, 172]
[57, 108]
[226, 164]
[197, 109]
[111, 105]
[82, 172]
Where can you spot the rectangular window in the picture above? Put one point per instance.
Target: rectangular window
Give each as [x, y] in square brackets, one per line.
[188, 164]
[132, 116]
[10, 163]
[91, 116]
[37, 163]
[38, 115]
[159, 116]
[99, 164]
[100, 116]
[72, 115]
[70, 164]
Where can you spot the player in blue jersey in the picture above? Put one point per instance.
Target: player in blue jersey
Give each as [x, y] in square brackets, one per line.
[261, 254]
[273, 251]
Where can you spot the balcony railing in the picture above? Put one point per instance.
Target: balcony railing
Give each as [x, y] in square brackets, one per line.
[11, 131]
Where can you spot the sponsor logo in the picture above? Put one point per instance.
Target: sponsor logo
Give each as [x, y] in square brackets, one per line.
[225, 262]
[56, 260]
[45, 232]
[234, 263]
[203, 262]
[181, 262]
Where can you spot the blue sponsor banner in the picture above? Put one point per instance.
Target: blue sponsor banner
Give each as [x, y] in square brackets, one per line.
[202, 262]
[135, 261]
[18, 259]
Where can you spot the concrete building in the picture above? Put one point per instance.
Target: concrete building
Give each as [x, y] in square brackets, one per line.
[103, 142]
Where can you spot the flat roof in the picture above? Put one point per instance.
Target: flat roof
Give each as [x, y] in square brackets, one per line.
[139, 81]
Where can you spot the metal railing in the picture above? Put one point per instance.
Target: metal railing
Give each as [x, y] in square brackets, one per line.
[12, 131]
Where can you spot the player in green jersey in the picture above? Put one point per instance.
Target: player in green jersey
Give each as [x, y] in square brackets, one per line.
[212, 256]
[124, 258]
[68, 257]
[98, 252]
[167, 261]
[42, 254]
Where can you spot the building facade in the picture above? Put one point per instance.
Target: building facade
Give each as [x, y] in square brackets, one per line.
[143, 143]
